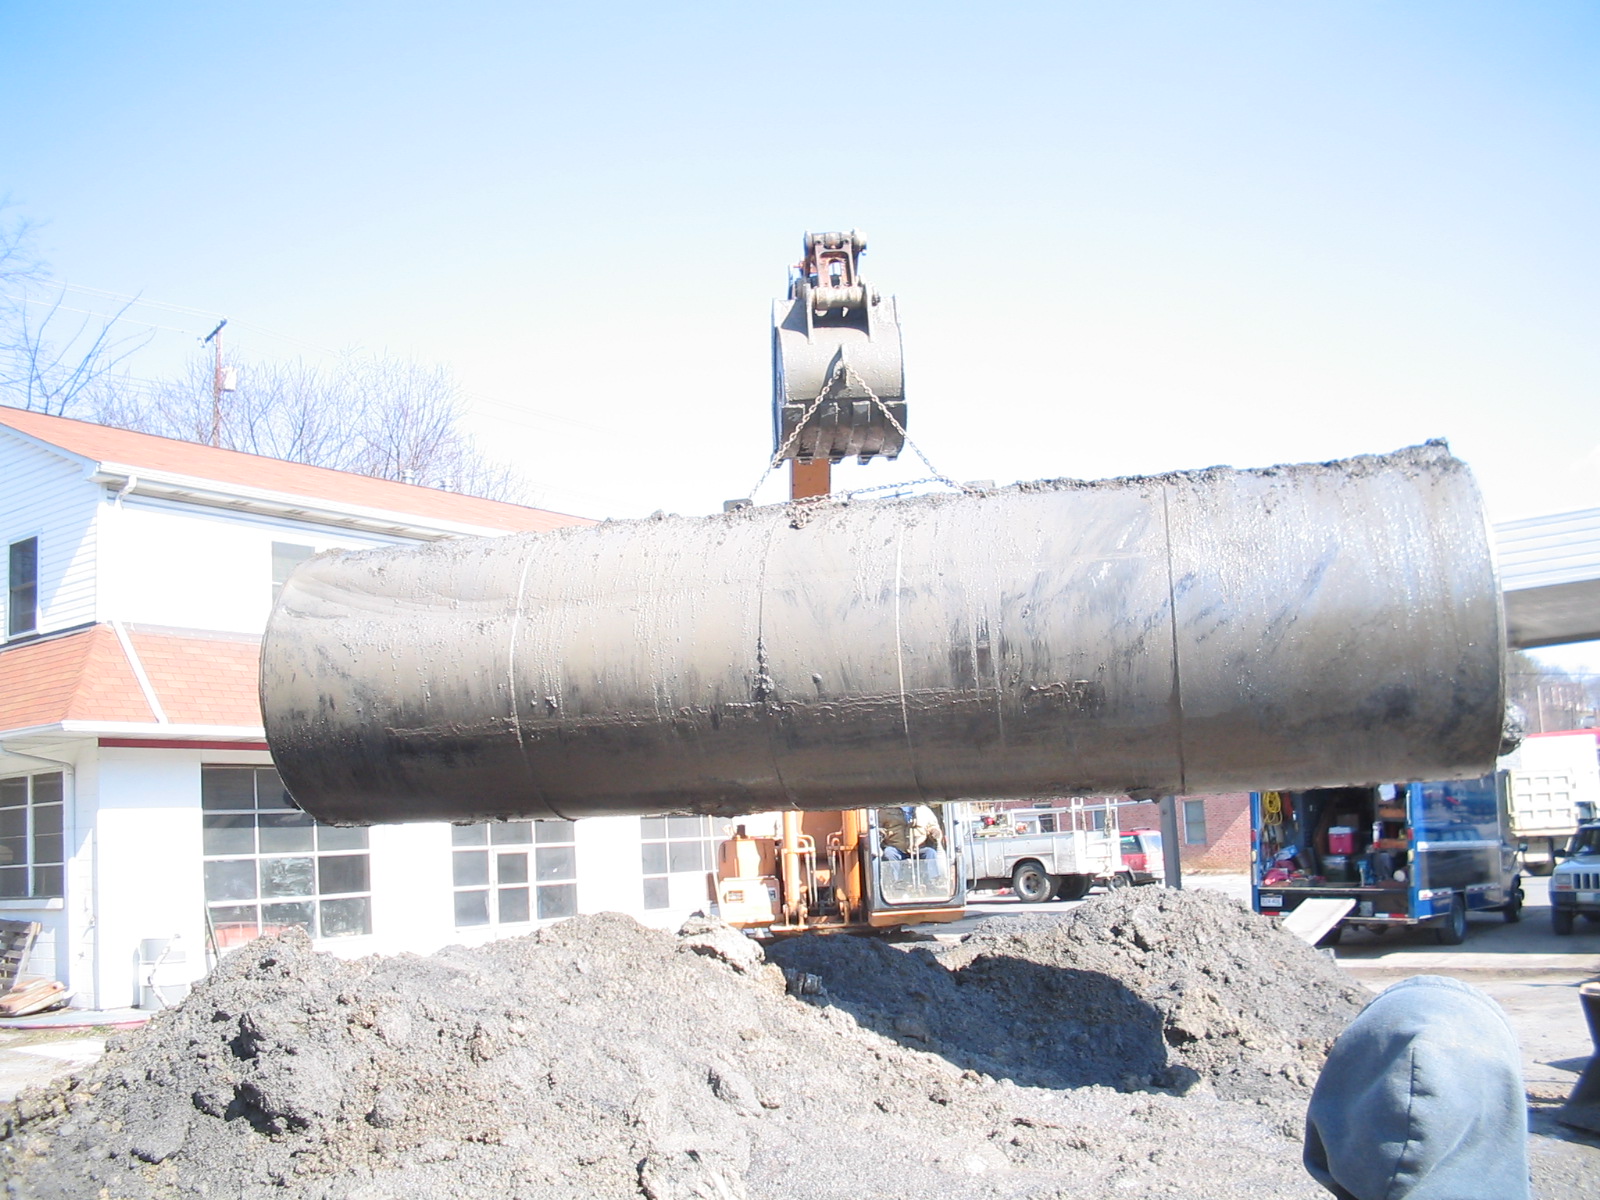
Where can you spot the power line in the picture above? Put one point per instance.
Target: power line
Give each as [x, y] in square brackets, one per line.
[208, 314]
[91, 313]
[78, 287]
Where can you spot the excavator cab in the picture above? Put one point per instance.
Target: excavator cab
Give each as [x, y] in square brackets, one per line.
[916, 863]
[838, 377]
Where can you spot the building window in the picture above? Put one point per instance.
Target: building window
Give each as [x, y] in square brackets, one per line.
[1194, 822]
[32, 848]
[676, 846]
[286, 556]
[269, 866]
[495, 883]
[22, 591]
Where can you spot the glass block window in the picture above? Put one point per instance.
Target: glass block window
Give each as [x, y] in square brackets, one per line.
[32, 842]
[514, 872]
[269, 866]
[670, 846]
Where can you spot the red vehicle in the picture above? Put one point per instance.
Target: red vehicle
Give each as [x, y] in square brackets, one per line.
[1141, 856]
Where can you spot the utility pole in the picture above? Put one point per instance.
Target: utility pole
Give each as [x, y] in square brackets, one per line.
[1171, 856]
[216, 383]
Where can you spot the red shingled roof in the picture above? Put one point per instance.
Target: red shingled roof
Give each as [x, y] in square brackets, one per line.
[104, 444]
[85, 676]
[202, 681]
[80, 676]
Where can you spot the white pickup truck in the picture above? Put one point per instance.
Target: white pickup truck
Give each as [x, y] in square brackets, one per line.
[1037, 866]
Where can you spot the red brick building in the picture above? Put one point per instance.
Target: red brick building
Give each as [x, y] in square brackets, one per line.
[1214, 831]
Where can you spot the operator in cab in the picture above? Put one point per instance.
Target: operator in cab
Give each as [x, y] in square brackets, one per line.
[910, 831]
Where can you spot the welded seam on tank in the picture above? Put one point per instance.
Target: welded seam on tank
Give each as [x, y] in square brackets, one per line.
[761, 653]
[511, 682]
[1172, 619]
[900, 663]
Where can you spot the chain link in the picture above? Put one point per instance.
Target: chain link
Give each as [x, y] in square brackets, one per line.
[843, 368]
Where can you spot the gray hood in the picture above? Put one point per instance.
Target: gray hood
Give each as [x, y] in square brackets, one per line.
[1422, 1099]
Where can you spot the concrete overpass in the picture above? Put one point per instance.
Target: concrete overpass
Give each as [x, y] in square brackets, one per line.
[1550, 573]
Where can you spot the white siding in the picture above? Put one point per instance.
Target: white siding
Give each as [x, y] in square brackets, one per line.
[200, 568]
[135, 869]
[149, 870]
[48, 496]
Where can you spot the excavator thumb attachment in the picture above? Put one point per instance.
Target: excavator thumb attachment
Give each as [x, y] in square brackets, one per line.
[837, 372]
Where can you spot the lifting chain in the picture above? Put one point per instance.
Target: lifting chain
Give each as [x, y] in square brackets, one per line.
[844, 370]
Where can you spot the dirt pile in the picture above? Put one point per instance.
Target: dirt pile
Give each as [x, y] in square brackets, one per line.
[599, 1059]
[1148, 987]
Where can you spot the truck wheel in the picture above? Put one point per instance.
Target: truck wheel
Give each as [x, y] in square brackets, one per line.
[1513, 911]
[1454, 930]
[1120, 880]
[1031, 884]
[1073, 887]
[1561, 920]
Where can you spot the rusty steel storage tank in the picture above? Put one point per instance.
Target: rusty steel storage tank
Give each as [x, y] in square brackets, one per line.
[1213, 630]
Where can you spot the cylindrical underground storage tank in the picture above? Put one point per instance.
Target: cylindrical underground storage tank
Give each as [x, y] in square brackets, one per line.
[1205, 631]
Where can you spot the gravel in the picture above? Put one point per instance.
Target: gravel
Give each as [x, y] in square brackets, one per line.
[1151, 1043]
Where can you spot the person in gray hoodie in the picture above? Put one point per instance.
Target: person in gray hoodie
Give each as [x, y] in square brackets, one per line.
[1422, 1099]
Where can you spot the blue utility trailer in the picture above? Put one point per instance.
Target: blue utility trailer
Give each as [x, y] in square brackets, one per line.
[1405, 854]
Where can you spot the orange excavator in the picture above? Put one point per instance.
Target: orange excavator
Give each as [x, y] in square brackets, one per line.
[838, 380]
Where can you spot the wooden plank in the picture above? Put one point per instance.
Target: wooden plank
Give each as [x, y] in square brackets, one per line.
[33, 996]
[1316, 916]
[16, 942]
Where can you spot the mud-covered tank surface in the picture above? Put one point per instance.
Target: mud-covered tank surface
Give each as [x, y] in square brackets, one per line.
[1294, 626]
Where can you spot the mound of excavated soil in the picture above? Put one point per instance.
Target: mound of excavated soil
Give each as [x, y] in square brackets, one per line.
[600, 1059]
[1137, 988]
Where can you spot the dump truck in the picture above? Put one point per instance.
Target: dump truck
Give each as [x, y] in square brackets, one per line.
[1553, 786]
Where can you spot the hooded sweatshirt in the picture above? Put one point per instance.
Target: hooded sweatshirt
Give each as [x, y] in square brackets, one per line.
[1422, 1099]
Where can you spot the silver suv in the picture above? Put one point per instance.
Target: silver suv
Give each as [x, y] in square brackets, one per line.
[1575, 883]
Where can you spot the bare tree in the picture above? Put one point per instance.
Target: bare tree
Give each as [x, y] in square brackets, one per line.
[385, 417]
[1550, 699]
[50, 355]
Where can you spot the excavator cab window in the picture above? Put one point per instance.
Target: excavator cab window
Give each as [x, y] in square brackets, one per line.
[912, 862]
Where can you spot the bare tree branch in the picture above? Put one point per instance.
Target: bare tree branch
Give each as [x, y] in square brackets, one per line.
[385, 417]
[44, 366]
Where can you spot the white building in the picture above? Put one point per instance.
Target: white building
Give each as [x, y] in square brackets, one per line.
[137, 799]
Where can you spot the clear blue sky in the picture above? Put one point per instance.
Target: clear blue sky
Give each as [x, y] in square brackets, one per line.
[1126, 237]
